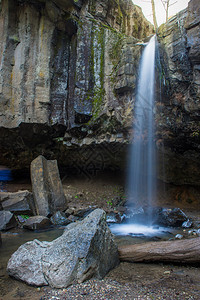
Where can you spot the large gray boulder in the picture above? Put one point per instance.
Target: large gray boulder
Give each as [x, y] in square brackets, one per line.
[19, 203]
[47, 187]
[86, 249]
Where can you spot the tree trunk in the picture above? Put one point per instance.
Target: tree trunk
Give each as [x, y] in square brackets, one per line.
[167, 11]
[181, 251]
[154, 14]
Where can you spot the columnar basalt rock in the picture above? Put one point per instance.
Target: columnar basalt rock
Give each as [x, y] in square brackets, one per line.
[178, 112]
[67, 84]
[47, 187]
[64, 68]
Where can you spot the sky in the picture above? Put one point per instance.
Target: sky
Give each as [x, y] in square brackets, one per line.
[160, 12]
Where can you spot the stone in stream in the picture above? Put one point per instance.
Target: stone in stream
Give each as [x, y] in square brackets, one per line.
[19, 203]
[85, 250]
[47, 187]
[7, 220]
[59, 218]
[37, 223]
[187, 224]
[169, 217]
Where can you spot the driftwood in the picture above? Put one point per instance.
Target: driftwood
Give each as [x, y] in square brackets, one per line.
[181, 251]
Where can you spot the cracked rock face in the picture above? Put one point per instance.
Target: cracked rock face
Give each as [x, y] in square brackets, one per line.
[67, 85]
[85, 250]
[65, 72]
[178, 113]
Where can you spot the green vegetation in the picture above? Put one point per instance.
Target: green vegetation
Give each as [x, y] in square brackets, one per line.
[117, 41]
[109, 202]
[97, 91]
[92, 6]
[25, 217]
[195, 133]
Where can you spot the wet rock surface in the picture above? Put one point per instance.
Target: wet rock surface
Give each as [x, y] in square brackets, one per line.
[59, 218]
[170, 217]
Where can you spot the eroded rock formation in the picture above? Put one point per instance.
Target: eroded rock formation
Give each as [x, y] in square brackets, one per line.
[68, 77]
[68, 71]
[178, 116]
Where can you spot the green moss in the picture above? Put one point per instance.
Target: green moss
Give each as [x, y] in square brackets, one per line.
[98, 97]
[161, 30]
[92, 7]
[15, 39]
[117, 41]
[96, 82]
[116, 46]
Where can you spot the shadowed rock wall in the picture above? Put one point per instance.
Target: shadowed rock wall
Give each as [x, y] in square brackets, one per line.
[178, 114]
[68, 71]
[67, 85]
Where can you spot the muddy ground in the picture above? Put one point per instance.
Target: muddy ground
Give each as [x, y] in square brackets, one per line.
[128, 280]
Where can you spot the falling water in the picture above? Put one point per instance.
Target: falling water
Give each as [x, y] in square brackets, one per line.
[142, 167]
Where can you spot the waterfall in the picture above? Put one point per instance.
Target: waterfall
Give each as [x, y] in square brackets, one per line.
[142, 165]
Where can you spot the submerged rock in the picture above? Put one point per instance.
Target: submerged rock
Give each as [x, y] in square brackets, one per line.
[85, 250]
[179, 236]
[192, 232]
[7, 220]
[187, 224]
[113, 217]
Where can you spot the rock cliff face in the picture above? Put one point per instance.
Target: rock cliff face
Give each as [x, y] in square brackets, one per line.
[178, 114]
[68, 71]
[67, 85]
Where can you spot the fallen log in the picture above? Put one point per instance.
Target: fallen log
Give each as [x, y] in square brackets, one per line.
[181, 251]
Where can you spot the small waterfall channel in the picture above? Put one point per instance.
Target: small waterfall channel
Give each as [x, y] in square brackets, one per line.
[142, 164]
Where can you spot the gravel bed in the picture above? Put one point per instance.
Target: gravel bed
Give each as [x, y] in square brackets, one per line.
[113, 290]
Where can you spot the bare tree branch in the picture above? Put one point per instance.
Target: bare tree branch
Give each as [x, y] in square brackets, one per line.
[154, 15]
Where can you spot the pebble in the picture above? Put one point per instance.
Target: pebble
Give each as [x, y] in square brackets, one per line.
[167, 272]
[179, 236]
[112, 290]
